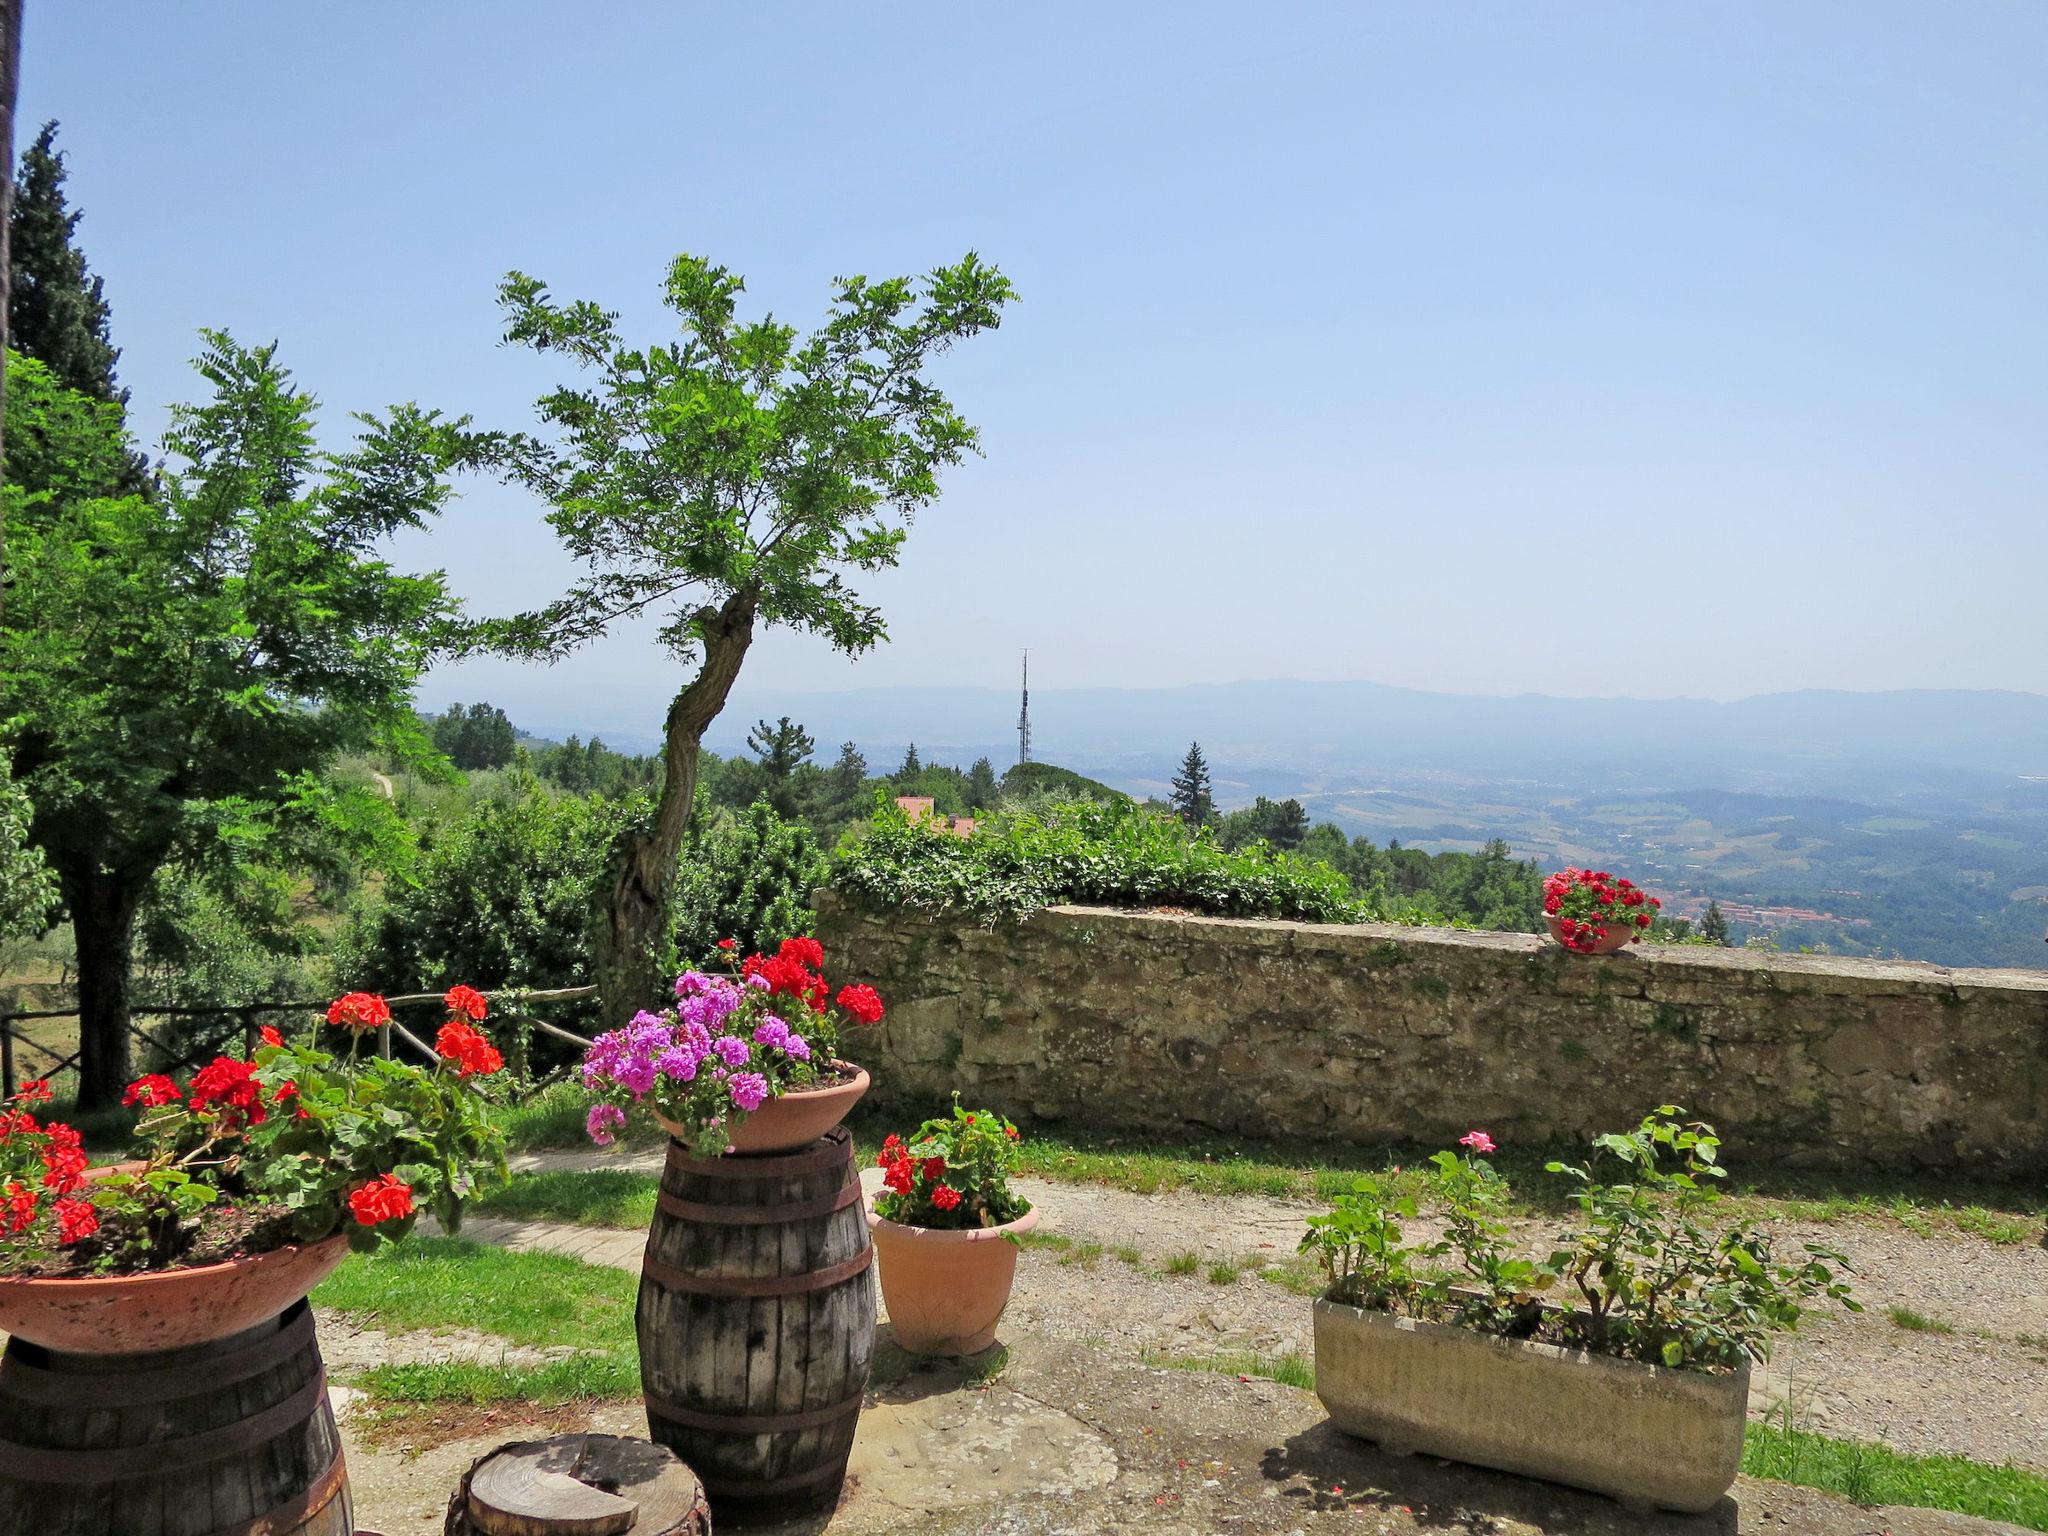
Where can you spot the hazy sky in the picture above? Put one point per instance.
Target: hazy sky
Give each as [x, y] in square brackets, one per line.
[1578, 348]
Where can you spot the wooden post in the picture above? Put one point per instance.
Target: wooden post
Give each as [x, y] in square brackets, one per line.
[588, 1485]
[7, 1057]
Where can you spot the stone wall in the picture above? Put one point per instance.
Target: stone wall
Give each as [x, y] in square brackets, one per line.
[1177, 1025]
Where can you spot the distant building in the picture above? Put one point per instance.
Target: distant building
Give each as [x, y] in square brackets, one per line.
[922, 808]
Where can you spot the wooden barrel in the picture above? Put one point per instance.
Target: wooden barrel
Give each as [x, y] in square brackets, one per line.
[757, 1323]
[229, 1438]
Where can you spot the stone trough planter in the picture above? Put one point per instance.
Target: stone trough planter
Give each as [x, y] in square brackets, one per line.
[1641, 1434]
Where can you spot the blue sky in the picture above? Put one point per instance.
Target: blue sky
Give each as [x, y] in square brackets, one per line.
[1588, 349]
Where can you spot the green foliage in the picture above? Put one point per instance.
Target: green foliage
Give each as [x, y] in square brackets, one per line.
[746, 876]
[782, 748]
[952, 1173]
[1111, 854]
[1280, 823]
[503, 898]
[1873, 1474]
[28, 889]
[203, 942]
[56, 308]
[480, 736]
[1714, 924]
[1644, 1278]
[1023, 781]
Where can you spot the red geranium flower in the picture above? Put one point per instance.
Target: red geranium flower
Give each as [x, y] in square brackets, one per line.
[229, 1086]
[806, 952]
[465, 1046]
[945, 1197]
[76, 1219]
[466, 1002]
[18, 1209]
[863, 1002]
[728, 943]
[268, 1035]
[35, 1091]
[385, 1198]
[359, 1011]
[151, 1091]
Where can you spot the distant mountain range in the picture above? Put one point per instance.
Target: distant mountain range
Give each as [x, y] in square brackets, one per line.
[1814, 740]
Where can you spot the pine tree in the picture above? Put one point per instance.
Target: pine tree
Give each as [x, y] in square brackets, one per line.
[56, 309]
[1713, 924]
[1191, 800]
[912, 767]
[982, 787]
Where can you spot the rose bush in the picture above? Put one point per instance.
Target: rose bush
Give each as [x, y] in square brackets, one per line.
[290, 1145]
[1589, 905]
[731, 1042]
[953, 1173]
[1640, 1276]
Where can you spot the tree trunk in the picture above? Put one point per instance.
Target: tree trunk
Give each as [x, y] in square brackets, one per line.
[103, 923]
[643, 864]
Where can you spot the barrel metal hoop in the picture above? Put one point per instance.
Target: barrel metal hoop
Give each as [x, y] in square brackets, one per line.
[38, 1384]
[291, 1516]
[741, 1490]
[773, 1165]
[112, 1464]
[750, 1423]
[757, 1285]
[758, 1215]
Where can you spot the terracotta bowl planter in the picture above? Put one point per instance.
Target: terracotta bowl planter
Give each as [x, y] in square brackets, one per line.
[946, 1291]
[170, 1309]
[793, 1121]
[1619, 934]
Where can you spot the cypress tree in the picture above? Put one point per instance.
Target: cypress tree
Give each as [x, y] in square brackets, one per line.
[1190, 797]
[1713, 925]
[56, 308]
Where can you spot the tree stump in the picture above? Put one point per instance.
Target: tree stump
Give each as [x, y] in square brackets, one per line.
[579, 1485]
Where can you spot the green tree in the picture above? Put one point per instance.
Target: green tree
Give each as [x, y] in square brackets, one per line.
[730, 480]
[749, 876]
[1281, 823]
[56, 307]
[782, 748]
[28, 889]
[912, 765]
[1190, 795]
[1713, 924]
[476, 738]
[982, 789]
[177, 675]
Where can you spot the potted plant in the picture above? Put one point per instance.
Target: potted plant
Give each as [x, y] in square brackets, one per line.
[1591, 912]
[742, 1062]
[1634, 1382]
[946, 1226]
[252, 1181]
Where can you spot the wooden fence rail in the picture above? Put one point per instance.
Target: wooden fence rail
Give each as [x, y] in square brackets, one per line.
[248, 1013]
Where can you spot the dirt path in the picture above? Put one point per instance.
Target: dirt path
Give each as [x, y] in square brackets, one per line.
[1977, 1391]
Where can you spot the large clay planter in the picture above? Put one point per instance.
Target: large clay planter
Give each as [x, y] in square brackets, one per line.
[1619, 933]
[946, 1291]
[793, 1121]
[1639, 1433]
[169, 1309]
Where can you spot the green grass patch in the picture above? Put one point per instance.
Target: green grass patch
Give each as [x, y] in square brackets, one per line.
[1082, 1254]
[1222, 1272]
[1289, 1369]
[1875, 1474]
[1184, 1264]
[532, 1299]
[1917, 1322]
[1129, 1255]
[597, 1197]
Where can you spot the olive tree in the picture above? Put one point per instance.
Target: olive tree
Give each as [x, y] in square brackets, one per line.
[732, 479]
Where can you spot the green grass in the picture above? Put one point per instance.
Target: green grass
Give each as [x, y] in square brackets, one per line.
[1184, 1264]
[1289, 1369]
[532, 1299]
[1917, 1322]
[1876, 1474]
[1222, 1272]
[1082, 1254]
[598, 1197]
[1997, 1213]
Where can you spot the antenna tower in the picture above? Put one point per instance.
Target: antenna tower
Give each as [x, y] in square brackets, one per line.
[1024, 716]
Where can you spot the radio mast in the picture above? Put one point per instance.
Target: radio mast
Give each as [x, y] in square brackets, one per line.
[1024, 716]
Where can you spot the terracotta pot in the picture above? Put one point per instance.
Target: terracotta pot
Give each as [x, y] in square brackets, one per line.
[793, 1121]
[1619, 933]
[168, 1309]
[946, 1291]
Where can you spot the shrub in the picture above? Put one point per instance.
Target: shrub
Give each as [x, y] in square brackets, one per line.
[746, 876]
[1644, 1278]
[1091, 852]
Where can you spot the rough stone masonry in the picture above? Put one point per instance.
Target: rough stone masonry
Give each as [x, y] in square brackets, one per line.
[1374, 1034]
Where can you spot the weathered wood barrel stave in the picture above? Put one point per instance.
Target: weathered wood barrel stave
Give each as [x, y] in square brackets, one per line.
[756, 1322]
[230, 1438]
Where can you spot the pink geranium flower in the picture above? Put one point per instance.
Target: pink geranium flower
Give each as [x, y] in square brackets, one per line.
[1478, 1141]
